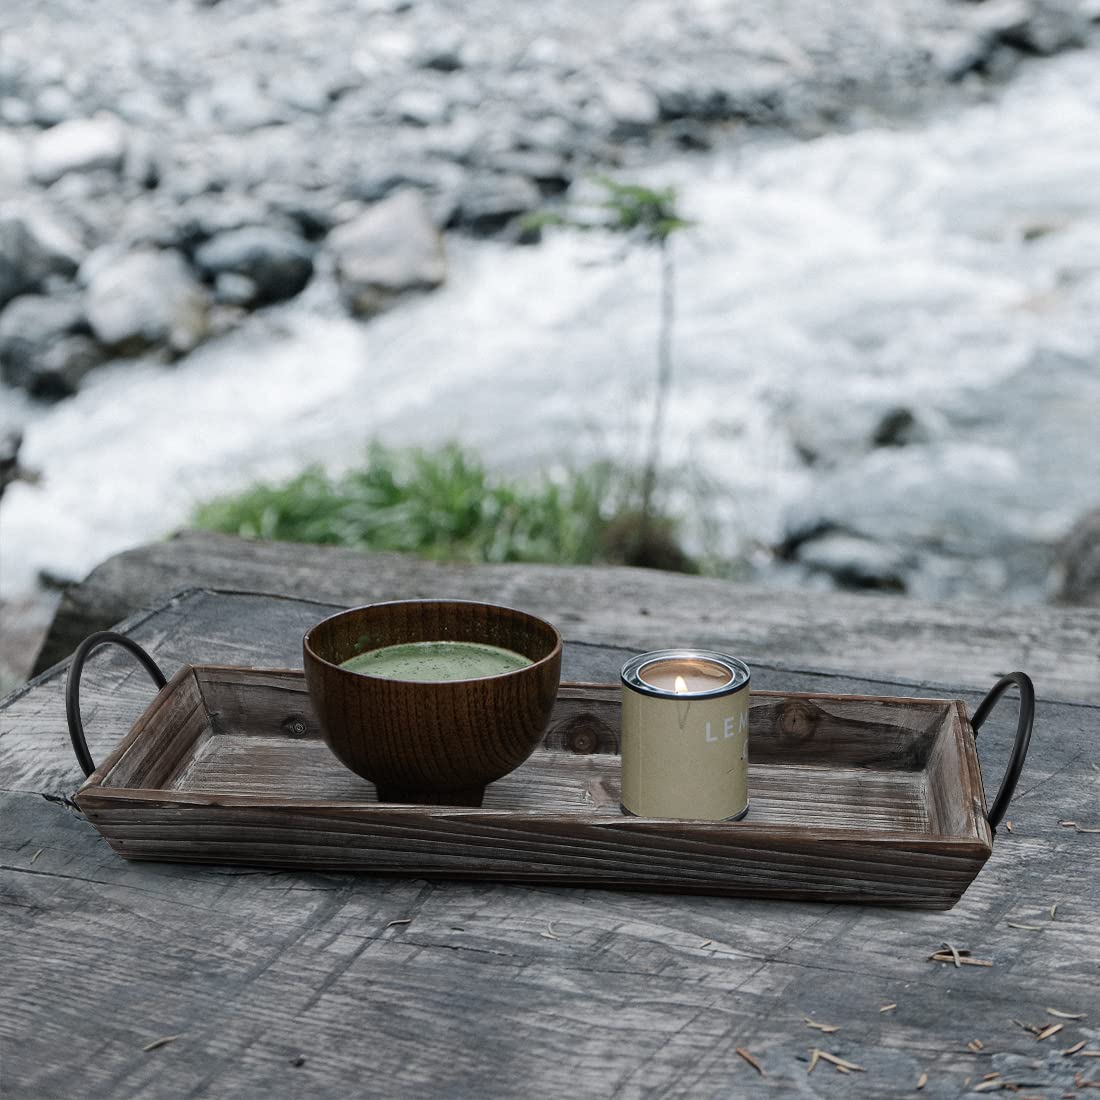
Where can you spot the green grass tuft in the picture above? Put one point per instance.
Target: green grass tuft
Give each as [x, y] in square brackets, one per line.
[445, 504]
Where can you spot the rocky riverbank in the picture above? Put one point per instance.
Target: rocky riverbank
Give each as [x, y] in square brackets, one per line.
[166, 168]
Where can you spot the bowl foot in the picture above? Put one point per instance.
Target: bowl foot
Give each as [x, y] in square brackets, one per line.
[468, 796]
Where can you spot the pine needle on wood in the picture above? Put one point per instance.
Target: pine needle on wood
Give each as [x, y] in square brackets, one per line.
[751, 1060]
[156, 1044]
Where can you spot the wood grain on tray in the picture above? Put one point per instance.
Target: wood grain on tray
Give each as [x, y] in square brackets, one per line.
[852, 798]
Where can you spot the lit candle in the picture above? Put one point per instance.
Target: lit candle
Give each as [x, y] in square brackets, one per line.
[685, 675]
[685, 735]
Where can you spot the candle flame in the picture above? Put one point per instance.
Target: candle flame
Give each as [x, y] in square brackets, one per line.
[681, 685]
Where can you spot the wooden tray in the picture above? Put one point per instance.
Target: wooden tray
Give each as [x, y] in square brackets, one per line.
[852, 798]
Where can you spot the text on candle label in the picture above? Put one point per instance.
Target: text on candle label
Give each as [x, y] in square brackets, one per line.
[740, 721]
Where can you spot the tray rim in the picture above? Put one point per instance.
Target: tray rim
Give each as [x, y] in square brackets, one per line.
[94, 794]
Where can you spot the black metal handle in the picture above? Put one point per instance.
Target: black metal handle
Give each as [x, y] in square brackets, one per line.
[72, 686]
[1023, 736]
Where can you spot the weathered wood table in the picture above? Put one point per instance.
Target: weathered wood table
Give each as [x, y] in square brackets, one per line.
[309, 984]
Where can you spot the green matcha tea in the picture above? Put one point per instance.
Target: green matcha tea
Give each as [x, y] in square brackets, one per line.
[437, 661]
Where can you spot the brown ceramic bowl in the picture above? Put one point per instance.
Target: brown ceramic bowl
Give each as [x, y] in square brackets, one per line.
[436, 742]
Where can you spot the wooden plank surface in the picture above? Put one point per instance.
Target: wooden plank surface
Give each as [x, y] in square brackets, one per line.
[884, 636]
[301, 984]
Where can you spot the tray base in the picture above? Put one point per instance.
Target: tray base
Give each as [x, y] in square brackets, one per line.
[562, 782]
[852, 798]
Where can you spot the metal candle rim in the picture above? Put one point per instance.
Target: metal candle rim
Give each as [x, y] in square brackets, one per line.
[738, 670]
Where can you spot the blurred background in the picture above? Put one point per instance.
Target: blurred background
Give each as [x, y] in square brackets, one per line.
[803, 294]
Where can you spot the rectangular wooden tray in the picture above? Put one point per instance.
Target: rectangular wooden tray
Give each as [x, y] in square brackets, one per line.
[852, 798]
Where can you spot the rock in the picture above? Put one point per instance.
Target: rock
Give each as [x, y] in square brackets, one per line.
[899, 428]
[486, 204]
[231, 289]
[420, 107]
[956, 53]
[147, 299]
[10, 470]
[278, 263]
[1077, 562]
[79, 145]
[44, 346]
[142, 162]
[690, 135]
[389, 250]
[952, 497]
[854, 562]
[553, 134]
[236, 103]
[549, 171]
[13, 161]
[303, 91]
[829, 429]
[32, 249]
[313, 213]
[207, 216]
[373, 182]
[441, 58]
[14, 111]
[53, 105]
[98, 260]
[1040, 28]
[633, 109]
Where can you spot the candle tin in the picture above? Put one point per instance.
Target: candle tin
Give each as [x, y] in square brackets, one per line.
[685, 753]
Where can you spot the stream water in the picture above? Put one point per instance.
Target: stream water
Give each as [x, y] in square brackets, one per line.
[951, 268]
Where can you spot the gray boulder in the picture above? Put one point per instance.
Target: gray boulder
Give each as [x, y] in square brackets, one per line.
[44, 346]
[387, 251]
[31, 250]
[854, 562]
[79, 145]
[147, 299]
[1077, 562]
[278, 263]
[486, 204]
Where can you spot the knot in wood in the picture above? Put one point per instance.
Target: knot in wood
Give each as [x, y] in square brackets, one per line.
[583, 735]
[295, 726]
[798, 719]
